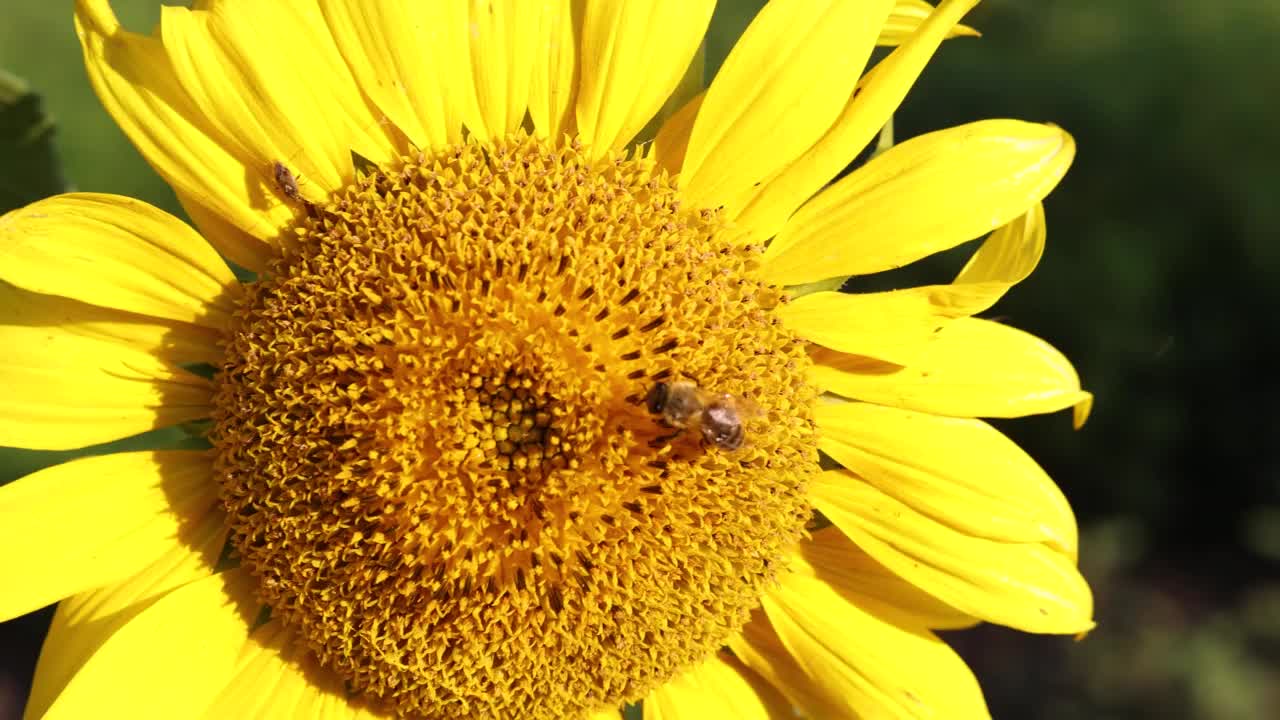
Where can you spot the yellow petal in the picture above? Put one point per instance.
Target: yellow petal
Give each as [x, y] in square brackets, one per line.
[170, 660]
[907, 17]
[83, 622]
[275, 95]
[634, 54]
[969, 368]
[780, 89]
[673, 139]
[135, 81]
[893, 326]
[864, 665]
[832, 558]
[554, 85]
[96, 520]
[897, 326]
[118, 253]
[277, 677]
[176, 343]
[63, 390]
[503, 37]
[762, 651]
[232, 241]
[958, 471]
[605, 715]
[718, 687]
[692, 84]
[1029, 586]
[879, 94]
[919, 197]
[393, 51]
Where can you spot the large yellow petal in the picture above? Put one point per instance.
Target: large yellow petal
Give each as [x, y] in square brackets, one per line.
[860, 665]
[672, 140]
[878, 95]
[969, 368]
[96, 520]
[64, 390]
[922, 196]
[907, 17]
[170, 660]
[394, 51]
[1029, 586]
[277, 677]
[958, 471]
[831, 557]
[780, 89]
[135, 81]
[554, 85]
[272, 95]
[718, 687]
[232, 241]
[633, 55]
[83, 622]
[897, 326]
[504, 38]
[176, 343]
[118, 253]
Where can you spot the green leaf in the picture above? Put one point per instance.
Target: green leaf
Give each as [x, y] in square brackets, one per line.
[31, 169]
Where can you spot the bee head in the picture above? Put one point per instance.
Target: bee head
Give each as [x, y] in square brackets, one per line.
[656, 400]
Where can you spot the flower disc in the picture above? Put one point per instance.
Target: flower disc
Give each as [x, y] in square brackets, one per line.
[433, 444]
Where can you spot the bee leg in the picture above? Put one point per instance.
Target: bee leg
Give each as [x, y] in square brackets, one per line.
[663, 440]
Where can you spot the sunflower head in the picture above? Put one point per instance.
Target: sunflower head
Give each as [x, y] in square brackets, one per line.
[433, 444]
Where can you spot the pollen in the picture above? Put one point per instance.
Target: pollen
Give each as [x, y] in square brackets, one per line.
[433, 446]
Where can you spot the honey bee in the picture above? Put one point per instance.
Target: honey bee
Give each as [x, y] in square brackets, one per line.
[683, 405]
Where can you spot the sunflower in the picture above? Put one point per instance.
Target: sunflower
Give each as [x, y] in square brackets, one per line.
[529, 411]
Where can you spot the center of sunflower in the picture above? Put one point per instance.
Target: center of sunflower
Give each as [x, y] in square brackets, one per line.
[435, 449]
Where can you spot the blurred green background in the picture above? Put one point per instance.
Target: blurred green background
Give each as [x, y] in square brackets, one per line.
[1160, 282]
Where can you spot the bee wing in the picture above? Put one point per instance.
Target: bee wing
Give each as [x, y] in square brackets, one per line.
[748, 409]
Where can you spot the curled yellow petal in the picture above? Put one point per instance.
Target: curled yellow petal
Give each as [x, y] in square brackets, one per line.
[919, 197]
[907, 17]
[969, 368]
[897, 326]
[1025, 585]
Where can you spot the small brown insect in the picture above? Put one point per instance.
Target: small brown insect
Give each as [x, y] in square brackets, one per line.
[288, 184]
[683, 405]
